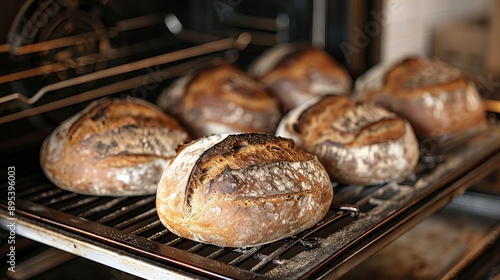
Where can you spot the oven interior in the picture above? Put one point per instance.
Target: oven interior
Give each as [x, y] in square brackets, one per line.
[63, 54]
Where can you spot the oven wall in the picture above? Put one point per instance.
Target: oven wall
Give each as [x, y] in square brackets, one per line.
[410, 26]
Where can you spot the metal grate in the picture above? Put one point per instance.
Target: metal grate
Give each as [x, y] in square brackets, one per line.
[127, 62]
[359, 216]
[122, 85]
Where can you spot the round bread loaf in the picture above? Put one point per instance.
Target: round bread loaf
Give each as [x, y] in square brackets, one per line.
[434, 97]
[114, 147]
[242, 190]
[297, 72]
[357, 143]
[221, 99]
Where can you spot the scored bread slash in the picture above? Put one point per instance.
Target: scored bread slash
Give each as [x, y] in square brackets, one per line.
[114, 147]
[357, 143]
[437, 99]
[242, 190]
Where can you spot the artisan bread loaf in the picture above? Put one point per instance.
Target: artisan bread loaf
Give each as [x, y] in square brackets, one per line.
[437, 99]
[357, 143]
[220, 99]
[297, 72]
[114, 147]
[242, 190]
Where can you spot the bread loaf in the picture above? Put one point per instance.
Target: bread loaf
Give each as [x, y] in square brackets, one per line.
[357, 143]
[297, 72]
[242, 190]
[221, 99]
[434, 97]
[114, 147]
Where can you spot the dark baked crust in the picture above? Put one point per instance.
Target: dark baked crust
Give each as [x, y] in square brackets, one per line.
[412, 76]
[221, 99]
[113, 147]
[298, 72]
[238, 152]
[437, 99]
[242, 190]
[357, 143]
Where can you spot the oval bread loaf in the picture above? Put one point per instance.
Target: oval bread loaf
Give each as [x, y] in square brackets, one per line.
[436, 98]
[114, 147]
[242, 190]
[221, 99]
[297, 72]
[357, 143]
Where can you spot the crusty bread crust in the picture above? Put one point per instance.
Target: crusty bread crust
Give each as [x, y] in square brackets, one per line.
[115, 147]
[357, 143]
[297, 72]
[434, 97]
[221, 99]
[242, 190]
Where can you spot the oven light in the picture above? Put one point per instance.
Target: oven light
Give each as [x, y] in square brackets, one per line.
[173, 24]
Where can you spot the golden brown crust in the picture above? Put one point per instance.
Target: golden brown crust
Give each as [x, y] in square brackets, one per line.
[300, 74]
[238, 152]
[409, 78]
[221, 99]
[434, 97]
[297, 65]
[340, 120]
[113, 147]
[357, 143]
[242, 190]
[108, 114]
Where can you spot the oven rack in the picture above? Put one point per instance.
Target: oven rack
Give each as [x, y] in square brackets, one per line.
[125, 232]
[186, 50]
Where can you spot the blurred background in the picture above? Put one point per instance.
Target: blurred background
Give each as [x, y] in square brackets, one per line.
[465, 34]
